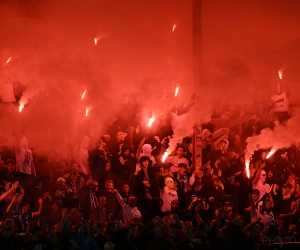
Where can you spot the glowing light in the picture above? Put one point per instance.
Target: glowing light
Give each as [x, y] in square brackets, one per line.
[86, 112]
[174, 27]
[280, 73]
[8, 60]
[270, 153]
[176, 91]
[83, 94]
[164, 156]
[247, 169]
[21, 107]
[96, 39]
[151, 120]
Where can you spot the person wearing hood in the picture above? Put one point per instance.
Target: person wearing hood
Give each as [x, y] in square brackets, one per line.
[24, 162]
[145, 150]
[124, 163]
[81, 237]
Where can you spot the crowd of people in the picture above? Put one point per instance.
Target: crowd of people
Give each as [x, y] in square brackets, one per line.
[121, 195]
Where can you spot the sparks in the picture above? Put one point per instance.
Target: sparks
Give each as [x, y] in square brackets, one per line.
[151, 120]
[165, 156]
[86, 112]
[21, 107]
[270, 153]
[247, 169]
[280, 73]
[83, 94]
[8, 60]
[174, 27]
[176, 91]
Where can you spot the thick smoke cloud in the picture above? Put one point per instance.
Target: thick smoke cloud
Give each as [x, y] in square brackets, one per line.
[54, 59]
[282, 136]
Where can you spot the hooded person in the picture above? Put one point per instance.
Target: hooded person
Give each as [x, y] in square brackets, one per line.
[81, 156]
[146, 151]
[24, 162]
[124, 164]
[81, 237]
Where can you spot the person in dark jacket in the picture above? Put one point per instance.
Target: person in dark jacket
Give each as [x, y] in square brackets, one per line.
[80, 237]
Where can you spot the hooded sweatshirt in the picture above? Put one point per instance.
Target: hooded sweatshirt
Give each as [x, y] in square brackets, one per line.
[147, 149]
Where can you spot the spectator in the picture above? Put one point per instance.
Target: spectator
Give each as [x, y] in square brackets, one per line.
[168, 194]
[80, 237]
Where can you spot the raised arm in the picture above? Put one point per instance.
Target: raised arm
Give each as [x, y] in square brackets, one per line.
[256, 178]
[34, 214]
[14, 187]
[140, 147]
[10, 205]
[290, 194]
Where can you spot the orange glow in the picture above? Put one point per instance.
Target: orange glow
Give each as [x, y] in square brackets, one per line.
[8, 60]
[151, 120]
[165, 156]
[270, 153]
[83, 94]
[280, 73]
[96, 39]
[176, 91]
[174, 27]
[86, 112]
[21, 107]
[247, 169]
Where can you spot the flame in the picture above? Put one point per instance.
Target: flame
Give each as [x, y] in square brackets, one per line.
[83, 94]
[174, 27]
[280, 73]
[247, 169]
[176, 91]
[8, 60]
[270, 153]
[86, 112]
[164, 156]
[96, 39]
[21, 107]
[151, 120]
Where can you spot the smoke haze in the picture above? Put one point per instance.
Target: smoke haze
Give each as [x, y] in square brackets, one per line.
[54, 59]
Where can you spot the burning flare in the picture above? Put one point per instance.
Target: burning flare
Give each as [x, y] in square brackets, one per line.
[21, 107]
[96, 39]
[270, 153]
[176, 91]
[151, 120]
[164, 156]
[86, 112]
[280, 73]
[247, 169]
[174, 27]
[83, 94]
[8, 60]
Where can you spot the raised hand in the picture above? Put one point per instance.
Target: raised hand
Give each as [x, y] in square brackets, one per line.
[15, 185]
[138, 167]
